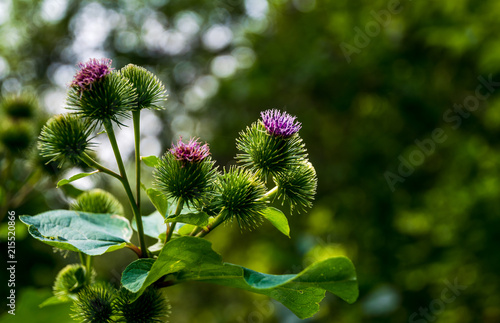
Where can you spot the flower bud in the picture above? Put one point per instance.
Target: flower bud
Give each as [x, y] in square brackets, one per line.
[97, 201]
[100, 95]
[239, 196]
[65, 137]
[16, 136]
[297, 185]
[152, 306]
[70, 280]
[150, 90]
[271, 145]
[95, 304]
[186, 171]
[20, 106]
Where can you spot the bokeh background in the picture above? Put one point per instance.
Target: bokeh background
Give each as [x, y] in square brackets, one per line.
[369, 80]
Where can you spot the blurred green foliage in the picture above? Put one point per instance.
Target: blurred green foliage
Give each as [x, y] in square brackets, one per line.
[224, 61]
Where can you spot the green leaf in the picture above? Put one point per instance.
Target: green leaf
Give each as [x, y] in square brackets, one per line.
[90, 233]
[74, 178]
[136, 273]
[150, 161]
[159, 200]
[192, 259]
[184, 229]
[278, 219]
[199, 219]
[154, 225]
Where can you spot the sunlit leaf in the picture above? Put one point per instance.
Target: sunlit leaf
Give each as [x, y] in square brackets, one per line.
[74, 178]
[278, 219]
[192, 259]
[90, 233]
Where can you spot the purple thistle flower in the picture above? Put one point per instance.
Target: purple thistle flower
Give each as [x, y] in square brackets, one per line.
[280, 124]
[90, 72]
[192, 152]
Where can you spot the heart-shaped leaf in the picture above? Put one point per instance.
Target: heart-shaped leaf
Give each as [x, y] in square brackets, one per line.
[90, 233]
[192, 259]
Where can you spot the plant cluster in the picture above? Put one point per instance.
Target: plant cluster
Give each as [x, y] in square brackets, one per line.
[192, 197]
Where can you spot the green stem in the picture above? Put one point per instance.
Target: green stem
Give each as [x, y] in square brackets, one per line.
[112, 139]
[270, 194]
[88, 266]
[218, 220]
[92, 163]
[171, 228]
[136, 115]
[82, 259]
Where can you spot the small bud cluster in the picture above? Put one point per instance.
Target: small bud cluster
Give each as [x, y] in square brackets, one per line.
[98, 96]
[104, 304]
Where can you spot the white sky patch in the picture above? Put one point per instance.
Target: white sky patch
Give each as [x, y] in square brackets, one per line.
[61, 75]
[91, 27]
[217, 37]
[150, 145]
[54, 100]
[151, 125]
[224, 66]
[4, 11]
[187, 22]
[53, 10]
[256, 9]
[206, 86]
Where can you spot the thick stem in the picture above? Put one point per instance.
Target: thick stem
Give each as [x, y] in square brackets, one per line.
[171, 228]
[112, 139]
[218, 220]
[136, 115]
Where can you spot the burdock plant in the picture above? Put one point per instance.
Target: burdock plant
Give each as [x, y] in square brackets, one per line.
[192, 197]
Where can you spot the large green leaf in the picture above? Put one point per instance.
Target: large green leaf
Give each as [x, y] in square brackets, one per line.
[278, 219]
[192, 259]
[92, 234]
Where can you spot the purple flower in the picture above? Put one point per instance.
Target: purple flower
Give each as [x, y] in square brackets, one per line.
[280, 124]
[90, 72]
[192, 152]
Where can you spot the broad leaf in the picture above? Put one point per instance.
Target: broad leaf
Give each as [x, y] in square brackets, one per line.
[74, 178]
[136, 273]
[150, 161]
[92, 234]
[192, 259]
[154, 225]
[199, 219]
[159, 200]
[278, 219]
